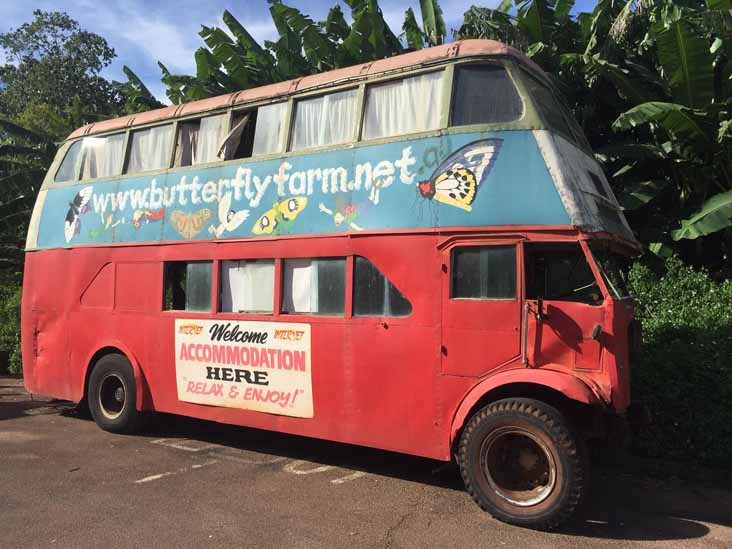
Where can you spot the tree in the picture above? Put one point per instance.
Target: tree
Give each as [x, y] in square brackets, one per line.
[53, 61]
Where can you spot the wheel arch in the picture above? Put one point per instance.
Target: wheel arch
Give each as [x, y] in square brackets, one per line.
[565, 392]
[117, 347]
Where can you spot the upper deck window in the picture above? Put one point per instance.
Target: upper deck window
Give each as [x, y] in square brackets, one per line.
[484, 94]
[93, 157]
[325, 120]
[151, 149]
[102, 156]
[70, 167]
[269, 127]
[200, 141]
[408, 105]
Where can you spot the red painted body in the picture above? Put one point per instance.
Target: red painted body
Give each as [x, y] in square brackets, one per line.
[404, 384]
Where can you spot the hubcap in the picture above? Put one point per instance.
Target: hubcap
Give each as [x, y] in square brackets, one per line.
[112, 396]
[518, 466]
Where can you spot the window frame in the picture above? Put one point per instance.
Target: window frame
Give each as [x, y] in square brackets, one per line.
[292, 111]
[235, 314]
[213, 299]
[348, 298]
[445, 82]
[518, 257]
[482, 62]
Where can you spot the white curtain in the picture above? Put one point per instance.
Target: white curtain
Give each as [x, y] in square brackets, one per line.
[300, 286]
[268, 130]
[150, 149]
[247, 286]
[103, 156]
[325, 120]
[211, 133]
[406, 106]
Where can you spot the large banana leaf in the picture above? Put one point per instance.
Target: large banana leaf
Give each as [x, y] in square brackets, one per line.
[432, 22]
[536, 19]
[686, 60]
[719, 4]
[714, 215]
[335, 25]
[640, 193]
[412, 32]
[675, 118]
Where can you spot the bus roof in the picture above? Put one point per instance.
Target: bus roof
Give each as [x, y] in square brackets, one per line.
[454, 50]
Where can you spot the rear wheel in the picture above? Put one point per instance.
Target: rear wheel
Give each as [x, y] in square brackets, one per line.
[112, 395]
[522, 463]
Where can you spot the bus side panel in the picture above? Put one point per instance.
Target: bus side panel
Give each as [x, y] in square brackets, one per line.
[44, 310]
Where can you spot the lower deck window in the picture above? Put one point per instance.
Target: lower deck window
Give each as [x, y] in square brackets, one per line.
[315, 286]
[374, 294]
[247, 286]
[187, 286]
[483, 272]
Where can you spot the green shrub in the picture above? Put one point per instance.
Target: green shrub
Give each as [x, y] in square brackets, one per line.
[683, 372]
[10, 291]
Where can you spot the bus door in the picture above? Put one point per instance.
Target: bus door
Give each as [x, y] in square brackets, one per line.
[565, 312]
[481, 312]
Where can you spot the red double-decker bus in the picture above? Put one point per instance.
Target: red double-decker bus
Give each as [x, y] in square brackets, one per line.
[418, 254]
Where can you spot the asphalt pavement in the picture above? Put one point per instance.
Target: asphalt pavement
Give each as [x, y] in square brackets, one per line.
[190, 483]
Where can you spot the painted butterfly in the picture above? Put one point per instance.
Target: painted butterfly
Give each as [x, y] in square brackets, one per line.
[229, 220]
[287, 210]
[457, 179]
[79, 205]
[189, 224]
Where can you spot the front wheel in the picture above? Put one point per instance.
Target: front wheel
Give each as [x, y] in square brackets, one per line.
[112, 395]
[522, 463]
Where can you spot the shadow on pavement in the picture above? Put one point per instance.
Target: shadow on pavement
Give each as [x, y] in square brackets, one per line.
[622, 505]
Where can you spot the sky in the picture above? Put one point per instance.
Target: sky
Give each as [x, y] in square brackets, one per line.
[143, 32]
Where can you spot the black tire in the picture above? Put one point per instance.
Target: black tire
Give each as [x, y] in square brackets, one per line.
[522, 463]
[112, 395]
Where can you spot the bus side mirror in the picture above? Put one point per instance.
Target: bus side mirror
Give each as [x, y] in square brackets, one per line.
[596, 331]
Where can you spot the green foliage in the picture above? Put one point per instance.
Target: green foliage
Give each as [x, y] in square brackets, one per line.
[683, 372]
[138, 97]
[55, 60]
[10, 292]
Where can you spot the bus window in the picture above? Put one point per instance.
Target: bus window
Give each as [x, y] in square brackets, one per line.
[269, 126]
[199, 141]
[559, 272]
[70, 167]
[187, 286]
[247, 286]
[150, 149]
[483, 272]
[408, 105]
[374, 294]
[316, 286]
[325, 120]
[484, 94]
[102, 156]
[240, 140]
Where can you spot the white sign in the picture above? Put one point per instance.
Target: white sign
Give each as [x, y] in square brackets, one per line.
[262, 366]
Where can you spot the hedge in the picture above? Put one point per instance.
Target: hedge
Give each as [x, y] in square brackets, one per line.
[683, 373]
[10, 291]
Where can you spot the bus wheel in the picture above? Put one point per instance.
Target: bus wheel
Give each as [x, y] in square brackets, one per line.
[523, 464]
[112, 395]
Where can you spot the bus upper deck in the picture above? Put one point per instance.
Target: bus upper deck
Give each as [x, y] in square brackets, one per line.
[463, 135]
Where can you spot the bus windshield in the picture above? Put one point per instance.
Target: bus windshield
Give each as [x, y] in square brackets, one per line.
[614, 269]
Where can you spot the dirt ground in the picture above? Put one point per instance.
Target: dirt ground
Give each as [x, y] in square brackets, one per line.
[189, 483]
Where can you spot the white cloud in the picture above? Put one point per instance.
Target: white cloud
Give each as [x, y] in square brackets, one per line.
[162, 41]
